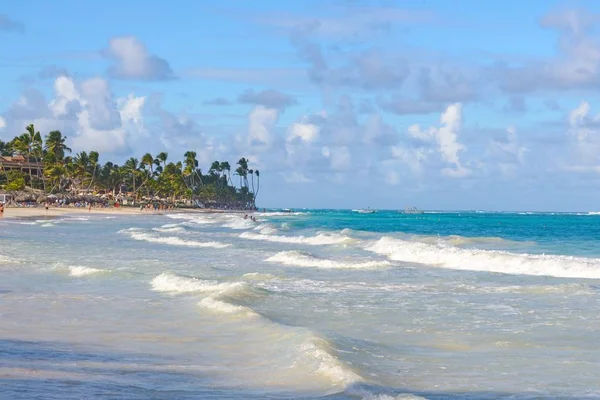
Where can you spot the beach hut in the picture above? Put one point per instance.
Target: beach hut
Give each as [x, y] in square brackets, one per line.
[5, 197]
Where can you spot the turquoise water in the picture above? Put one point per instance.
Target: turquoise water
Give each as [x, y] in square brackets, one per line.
[555, 233]
[309, 304]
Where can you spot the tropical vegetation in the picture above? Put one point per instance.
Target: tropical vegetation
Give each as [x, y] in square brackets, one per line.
[59, 171]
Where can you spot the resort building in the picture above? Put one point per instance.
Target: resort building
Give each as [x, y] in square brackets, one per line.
[19, 163]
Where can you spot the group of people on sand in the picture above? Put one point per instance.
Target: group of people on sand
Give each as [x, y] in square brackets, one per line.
[156, 207]
[251, 218]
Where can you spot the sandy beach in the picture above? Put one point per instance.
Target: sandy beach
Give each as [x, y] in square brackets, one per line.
[34, 212]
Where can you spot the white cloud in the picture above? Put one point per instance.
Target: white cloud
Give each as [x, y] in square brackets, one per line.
[340, 158]
[507, 151]
[261, 123]
[308, 133]
[446, 138]
[133, 61]
[584, 132]
[86, 112]
[66, 95]
[2, 123]
[447, 135]
[415, 158]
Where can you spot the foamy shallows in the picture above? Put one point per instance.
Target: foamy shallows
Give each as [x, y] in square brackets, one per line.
[79, 270]
[259, 276]
[222, 307]
[304, 259]
[237, 222]
[265, 229]
[195, 218]
[487, 260]
[175, 229]
[313, 355]
[139, 234]
[168, 282]
[318, 240]
[7, 260]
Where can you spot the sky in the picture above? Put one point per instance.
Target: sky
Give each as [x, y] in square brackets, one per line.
[444, 105]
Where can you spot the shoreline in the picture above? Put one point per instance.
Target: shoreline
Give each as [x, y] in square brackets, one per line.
[32, 212]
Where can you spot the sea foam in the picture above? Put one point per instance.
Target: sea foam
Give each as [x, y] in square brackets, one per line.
[168, 282]
[486, 260]
[78, 270]
[304, 259]
[138, 234]
[317, 240]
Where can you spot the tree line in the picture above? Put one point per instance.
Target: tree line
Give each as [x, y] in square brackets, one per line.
[148, 176]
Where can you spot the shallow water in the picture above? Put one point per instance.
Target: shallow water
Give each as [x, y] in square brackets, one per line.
[312, 304]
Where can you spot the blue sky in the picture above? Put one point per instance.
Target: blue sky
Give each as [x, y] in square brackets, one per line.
[339, 103]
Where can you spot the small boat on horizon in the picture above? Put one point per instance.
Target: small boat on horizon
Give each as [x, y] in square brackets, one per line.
[367, 211]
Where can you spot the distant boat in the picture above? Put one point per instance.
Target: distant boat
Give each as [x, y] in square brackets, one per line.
[367, 211]
[411, 210]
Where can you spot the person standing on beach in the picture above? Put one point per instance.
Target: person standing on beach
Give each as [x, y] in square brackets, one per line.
[1, 210]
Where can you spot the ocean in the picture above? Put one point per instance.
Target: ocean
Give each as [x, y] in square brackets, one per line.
[323, 304]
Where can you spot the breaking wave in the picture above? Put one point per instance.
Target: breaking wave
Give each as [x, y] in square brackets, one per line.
[487, 260]
[239, 223]
[195, 218]
[279, 214]
[320, 239]
[304, 259]
[138, 234]
[310, 352]
[173, 229]
[78, 270]
[266, 229]
[7, 260]
[259, 276]
[168, 282]
[464, 241]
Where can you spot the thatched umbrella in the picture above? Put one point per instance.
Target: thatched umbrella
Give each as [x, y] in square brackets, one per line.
[24, 197]
[42, 199]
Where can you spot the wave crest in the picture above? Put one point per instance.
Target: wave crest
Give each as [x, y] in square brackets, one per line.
[138, 234]
[79, 270]
[487, 260]
[318, 240]
[168, 282]
[304, 259]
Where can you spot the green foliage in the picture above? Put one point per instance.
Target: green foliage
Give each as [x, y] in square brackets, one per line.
[15, 180]
[5, 149]
[147, 177]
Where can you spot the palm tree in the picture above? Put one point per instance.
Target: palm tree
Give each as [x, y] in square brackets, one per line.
[81, 167]
[29, 144]
[191, 168]
[251, 172]
[93, 158]
[257, 173]
[149, 161]
[131, 168]
[162, 157]
[226, 169]
[5, 149]
[55, 144]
